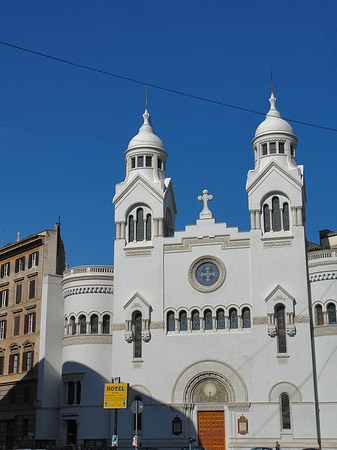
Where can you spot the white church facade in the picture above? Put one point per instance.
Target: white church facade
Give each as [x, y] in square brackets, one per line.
[227, 337]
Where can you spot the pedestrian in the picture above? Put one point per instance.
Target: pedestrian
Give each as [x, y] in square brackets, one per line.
[277, 446]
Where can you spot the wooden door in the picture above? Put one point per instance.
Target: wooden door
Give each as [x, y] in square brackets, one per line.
[211, 430]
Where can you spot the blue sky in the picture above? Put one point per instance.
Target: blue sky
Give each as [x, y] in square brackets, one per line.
[220, 50]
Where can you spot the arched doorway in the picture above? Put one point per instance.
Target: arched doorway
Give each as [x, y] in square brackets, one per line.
[209, 396]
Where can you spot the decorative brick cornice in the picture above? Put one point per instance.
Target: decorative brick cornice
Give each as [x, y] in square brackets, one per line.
[323, 276]
[325, 330]
[224, 241]
[159, 325]
[88, 290]
[262, 320]
[302, 319]
[86, 339]
[118, 326]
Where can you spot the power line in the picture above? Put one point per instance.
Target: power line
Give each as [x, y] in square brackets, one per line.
[156, 86]
[125, 139]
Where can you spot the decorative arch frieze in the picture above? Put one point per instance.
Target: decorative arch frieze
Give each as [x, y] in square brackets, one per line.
[193, 375]
[87, 290]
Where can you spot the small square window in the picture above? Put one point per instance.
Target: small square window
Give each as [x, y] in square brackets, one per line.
[140, 161]
[281, 147]
[292, 150]
[264, 149]
[31, 289]
[133, 163]
[160, 164]
[272, 147]
[149, 161]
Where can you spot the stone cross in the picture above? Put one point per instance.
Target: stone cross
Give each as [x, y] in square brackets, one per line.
[205, 213]
[18, 236]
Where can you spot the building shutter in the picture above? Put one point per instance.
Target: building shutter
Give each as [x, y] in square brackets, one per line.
[24, 362]
[5, 328]
[2, 270]
[37, 259]
[33, 326]
[16, 266]
[26, 324]
[11, 363]
[17, 326]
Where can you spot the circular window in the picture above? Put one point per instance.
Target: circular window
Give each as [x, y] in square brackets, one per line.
[206, 274]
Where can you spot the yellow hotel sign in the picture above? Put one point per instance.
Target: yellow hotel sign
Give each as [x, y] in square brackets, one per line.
[116, 396]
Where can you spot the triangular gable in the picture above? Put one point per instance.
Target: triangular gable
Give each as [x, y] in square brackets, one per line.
[133, 300]
[279, 295]
[138, 180]
[272, 167]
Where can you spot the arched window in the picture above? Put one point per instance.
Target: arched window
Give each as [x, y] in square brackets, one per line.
[14, 359]
[140, 225]
[319, 315]
[148, 227]
[195, 320]
[66, 326]
[286, 225]
[83, 324]
[276, 214]
[28, 357]
[72, 325]
[137, 334]
[246, 318]
[137, 418]
[233, 318]
[285, 411]
[331, 309]
[266, 218]
[220, 319]
[183, 321]
[280, 322]
[171, 325]
[106, 324]
[94, 324]
[208, 321]
[131, 229]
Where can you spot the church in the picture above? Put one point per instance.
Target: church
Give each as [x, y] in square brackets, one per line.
[228, 337]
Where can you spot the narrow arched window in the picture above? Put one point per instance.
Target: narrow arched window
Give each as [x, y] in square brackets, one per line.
[331, 309]
[285, 411]
[171, 325]
[195, 320]
[83, 324]
[94, 324]
[137, 334]
[183, 321]
[208, 321]
[72, 325]
[266, 218]
[276, 214]
[233, 318]
[281, 328]
[148, 227]
[106, 324]
[140, 225]
[319, 315]
[220, 319]
[246, 318]
[131, 229]
[286, 224]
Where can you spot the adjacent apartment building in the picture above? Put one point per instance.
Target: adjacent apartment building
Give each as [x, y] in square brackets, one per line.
[23, 265]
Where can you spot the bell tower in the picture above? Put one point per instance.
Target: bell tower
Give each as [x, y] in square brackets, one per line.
[144, 202]
[275, 187]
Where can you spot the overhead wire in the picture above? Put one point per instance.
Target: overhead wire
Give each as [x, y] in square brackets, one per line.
[125, 139]
[156, 86]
